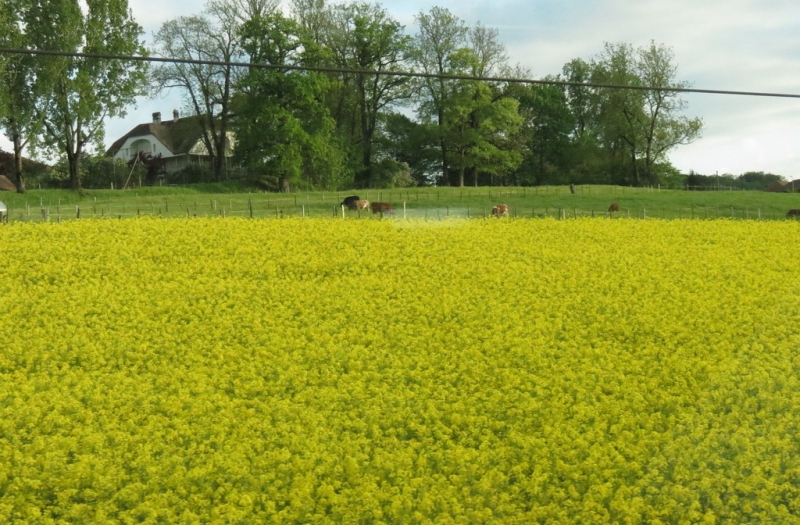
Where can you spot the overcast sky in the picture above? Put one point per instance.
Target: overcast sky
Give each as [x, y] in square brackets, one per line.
[741, 45]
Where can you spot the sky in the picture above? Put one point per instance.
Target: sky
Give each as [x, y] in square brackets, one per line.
[737, 45]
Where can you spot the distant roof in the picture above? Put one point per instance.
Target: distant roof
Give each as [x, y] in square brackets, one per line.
[179, 137]
[782, 186]
[6, 185]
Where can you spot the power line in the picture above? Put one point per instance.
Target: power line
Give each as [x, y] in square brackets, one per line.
[321, 69]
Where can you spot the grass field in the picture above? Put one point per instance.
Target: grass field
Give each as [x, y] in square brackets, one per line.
[228, 370]
[420, 203]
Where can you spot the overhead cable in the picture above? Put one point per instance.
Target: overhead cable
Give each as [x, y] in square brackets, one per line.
[445, 76]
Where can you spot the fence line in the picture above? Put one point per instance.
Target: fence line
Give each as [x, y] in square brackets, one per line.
[213, 208]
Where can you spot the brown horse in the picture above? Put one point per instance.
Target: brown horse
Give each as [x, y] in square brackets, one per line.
[614, 207]
[793, 213]
[382, 207]
[362, 204]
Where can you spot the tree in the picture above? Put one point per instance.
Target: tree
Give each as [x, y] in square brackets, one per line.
[20, 118]
[440, 36]
[84, 90]
[208, 88]
[282, 126]
[480, 127]
[666, 127]
[547, 127]
[411, 143]
[363, 37]
[645, 123]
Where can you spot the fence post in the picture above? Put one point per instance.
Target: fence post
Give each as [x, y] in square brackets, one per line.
[404, 209]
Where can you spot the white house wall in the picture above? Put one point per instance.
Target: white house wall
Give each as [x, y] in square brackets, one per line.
[135, 144]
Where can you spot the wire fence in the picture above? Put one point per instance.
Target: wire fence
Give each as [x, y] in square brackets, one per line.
[411, 210]
[560, 202]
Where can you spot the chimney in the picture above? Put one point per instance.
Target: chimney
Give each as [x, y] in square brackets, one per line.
[157, 117]
[175, 115]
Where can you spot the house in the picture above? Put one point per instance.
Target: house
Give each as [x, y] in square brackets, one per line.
[178, 141]
[785, 187]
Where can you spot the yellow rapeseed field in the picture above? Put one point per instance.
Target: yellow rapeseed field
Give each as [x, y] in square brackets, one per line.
[344, 371]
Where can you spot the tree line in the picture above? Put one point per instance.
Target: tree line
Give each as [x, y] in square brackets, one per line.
[344, 127]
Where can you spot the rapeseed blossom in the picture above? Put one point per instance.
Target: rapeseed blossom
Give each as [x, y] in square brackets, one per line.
[327, 371]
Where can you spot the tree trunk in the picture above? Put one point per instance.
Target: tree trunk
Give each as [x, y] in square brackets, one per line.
[73, 159]
[18, 175]
[461, 171]
[443, 146]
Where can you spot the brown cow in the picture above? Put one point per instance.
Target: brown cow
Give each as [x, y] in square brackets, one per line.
[382, 207]
[793, 213]
[362, 205]
[500, 210]
[614, 207]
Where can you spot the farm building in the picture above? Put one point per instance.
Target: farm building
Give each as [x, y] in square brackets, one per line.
[178, 141]
[785, 187]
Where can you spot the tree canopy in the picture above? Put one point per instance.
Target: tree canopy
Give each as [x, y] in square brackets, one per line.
[345, 127]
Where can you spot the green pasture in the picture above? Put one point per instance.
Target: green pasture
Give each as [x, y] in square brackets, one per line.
[429, 203]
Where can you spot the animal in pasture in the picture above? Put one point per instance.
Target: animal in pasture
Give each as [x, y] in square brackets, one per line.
[381, 207]
[350, 202]
[362, 204]
[614, 207]
[500, 210]
[793, 213]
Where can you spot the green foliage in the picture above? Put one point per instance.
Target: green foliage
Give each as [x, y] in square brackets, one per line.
[365, 37]
[102, 172]
[547, 124]
[191, 174]
[758, 180]
[83, 92]
[412, 143]
[282, 128]
[388, 173]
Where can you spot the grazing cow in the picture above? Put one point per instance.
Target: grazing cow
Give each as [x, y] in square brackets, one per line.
[382, 207]
[350, 202]
[362, 205]
[614, 207]
[500, 210]
[793, 213]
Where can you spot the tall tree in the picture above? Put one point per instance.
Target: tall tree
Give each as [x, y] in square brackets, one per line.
[666, 126]
[208, 89]
[85, 91]
[21, 120]
[441, 35]
[313, 17]
[282, 127]
[481, 127]
[621, 111]
[645, 123]
[364, 37]
[547, 130]
[581, 99]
